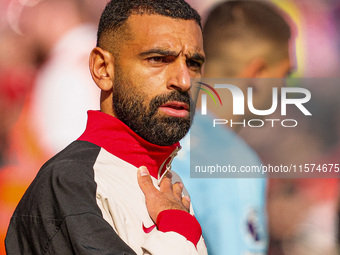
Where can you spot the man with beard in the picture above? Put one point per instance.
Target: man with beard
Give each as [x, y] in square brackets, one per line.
[110, 192]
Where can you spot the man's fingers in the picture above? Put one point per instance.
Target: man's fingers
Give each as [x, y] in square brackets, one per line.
[168, 197]
[166, 183]
[186, 203]
[177, 189]
[144, 181]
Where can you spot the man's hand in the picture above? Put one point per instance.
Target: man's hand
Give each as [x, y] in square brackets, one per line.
[168, 197]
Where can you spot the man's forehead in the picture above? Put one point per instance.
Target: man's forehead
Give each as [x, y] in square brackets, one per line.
[164, 32]
[143, 20]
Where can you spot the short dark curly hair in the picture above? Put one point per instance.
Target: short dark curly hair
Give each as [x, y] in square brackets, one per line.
[117, 12]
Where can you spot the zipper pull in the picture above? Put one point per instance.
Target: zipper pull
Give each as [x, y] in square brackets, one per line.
[168, 165]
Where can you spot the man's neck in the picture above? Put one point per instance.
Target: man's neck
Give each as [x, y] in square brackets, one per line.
[118, 139]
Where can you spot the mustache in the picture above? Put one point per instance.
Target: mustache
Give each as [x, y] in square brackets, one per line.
[179, 96]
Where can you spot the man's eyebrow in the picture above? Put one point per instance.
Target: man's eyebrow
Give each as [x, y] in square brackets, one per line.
[158, 52]
[198, 57]
[161, 52]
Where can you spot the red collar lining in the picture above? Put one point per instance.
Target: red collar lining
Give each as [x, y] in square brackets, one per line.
[117, 138]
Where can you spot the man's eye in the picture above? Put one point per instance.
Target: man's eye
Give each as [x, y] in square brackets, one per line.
[156, 60]
[194, 64]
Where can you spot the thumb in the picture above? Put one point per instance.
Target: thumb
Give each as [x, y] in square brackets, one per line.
[144, 180]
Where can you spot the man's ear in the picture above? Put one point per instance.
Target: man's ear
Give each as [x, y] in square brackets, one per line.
[102, 68]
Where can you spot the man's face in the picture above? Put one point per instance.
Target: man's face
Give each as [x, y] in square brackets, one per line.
[152, 76]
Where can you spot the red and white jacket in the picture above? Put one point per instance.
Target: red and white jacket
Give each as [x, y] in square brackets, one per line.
[86, 200]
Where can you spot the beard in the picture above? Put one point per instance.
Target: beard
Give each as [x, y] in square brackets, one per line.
[144, 120]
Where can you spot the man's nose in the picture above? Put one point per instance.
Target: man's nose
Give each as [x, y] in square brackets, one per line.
[179, 77]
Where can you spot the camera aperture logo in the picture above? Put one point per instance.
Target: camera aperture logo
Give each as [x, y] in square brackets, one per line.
[209, 93]
[239, 101]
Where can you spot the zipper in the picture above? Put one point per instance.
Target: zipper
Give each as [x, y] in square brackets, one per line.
[168, 165]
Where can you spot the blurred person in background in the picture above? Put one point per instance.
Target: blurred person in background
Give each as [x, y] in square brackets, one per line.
[40, 69]
[242, 39]
[18, 67]
[302, 212]
[17, 72]
[64, 32]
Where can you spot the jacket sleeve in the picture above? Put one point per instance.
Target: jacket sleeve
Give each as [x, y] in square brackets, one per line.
[77, 234]
[88, 234]
[58, 215]
[179, 233]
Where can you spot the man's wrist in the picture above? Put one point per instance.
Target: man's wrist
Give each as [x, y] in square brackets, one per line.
[180, 222]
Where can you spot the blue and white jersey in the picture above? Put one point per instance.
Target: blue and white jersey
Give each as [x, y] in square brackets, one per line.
[231, 211]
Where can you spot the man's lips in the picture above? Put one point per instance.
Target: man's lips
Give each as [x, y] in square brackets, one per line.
[175, 109]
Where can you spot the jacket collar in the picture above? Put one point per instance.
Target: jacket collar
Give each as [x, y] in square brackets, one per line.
[117, 138]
